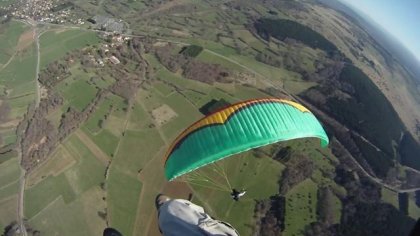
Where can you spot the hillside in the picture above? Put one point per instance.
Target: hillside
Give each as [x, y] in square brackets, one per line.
[388, 42]
[117, 89]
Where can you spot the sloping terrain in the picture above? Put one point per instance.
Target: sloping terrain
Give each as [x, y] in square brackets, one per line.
[112, 103]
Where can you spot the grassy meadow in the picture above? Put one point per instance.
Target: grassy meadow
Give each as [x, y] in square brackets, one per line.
[18, 80]
[56, 43]
[10, 33]
[58, 198]
[300, 207]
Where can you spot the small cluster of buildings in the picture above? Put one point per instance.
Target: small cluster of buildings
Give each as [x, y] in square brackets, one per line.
[25, 9]
[114, 60]
[108, 24]
[57, 12]
[100, 61]
[49, 11]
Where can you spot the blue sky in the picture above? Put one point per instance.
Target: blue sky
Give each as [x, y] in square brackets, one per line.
[401, 18]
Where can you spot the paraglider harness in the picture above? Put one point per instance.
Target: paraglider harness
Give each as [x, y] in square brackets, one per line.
[235, 194]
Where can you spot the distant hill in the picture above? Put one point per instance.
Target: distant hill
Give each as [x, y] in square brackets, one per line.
[389, 43]
[283, 29]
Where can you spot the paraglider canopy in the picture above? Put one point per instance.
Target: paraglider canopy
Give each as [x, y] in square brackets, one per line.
[238, 128]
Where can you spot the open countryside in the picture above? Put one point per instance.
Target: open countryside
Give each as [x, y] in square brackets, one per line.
[88, 110]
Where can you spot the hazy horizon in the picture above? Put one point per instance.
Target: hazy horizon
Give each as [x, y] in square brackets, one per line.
[397, 17]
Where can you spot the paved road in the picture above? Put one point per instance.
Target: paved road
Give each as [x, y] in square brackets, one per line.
[379, 181]
[373, 178]
[22, 181]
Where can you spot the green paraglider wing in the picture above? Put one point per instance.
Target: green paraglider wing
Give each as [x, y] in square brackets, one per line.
[238, 128]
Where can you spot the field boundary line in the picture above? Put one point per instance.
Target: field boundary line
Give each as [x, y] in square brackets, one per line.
[8, 62]
[96, 151]
[9, 184]
[8, 198]
[54, 174]
[144, 184]
[158, 129]
[47, 206]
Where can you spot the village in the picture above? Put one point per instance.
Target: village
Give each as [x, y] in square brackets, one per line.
[47, 11]
[56, 12]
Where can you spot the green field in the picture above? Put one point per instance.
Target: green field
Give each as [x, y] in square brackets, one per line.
[390, 197]
[6, 2]
[77, 218]
[42, 194]
[132, 154]
[87, 173]
[19, 72]
[105, 140]
[298, 86]
[8, 212]
[292, 81]
[163, 88]
[123, 198]
[9, 190]
[139, 118]
[207, 56]
[246, 36]
[105, 126]
[55, 44]
[18, 78]
[300, 207]
[98, 119]
[136, 148]
[246, 93]
[76, 99]
[103, 82]
[9, 36]
[269, 72]
[52, 204]
[213, 46]
[243, 171]
[9, 172]
[115, 120]
[60, 160]
[195, 97]
[8, 136]
[9, 186]
[58, 218]
[187, 114]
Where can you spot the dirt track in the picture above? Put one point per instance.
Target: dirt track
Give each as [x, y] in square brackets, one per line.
[163, 7]
[25, 40]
